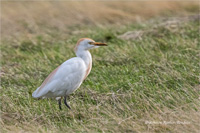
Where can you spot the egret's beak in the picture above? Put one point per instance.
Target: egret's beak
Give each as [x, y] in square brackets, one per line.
[99, 44]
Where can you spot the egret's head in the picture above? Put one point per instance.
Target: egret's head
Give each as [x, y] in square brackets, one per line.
[87, 43]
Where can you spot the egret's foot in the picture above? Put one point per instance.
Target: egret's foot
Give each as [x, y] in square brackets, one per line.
[59, 103]
[65, 101]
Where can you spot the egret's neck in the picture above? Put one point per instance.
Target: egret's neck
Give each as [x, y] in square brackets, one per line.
[85, 55]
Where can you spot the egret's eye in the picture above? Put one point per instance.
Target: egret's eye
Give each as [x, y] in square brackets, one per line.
[91, 42]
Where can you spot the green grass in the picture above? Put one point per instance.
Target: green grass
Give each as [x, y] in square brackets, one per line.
[152, 78]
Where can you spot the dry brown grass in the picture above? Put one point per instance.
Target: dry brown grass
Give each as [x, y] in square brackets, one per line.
[164, 120]
[31, 18]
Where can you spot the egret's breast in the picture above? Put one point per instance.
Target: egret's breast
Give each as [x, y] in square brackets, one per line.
[89, 67]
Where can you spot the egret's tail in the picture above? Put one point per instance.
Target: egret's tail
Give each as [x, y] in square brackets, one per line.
[34, 94]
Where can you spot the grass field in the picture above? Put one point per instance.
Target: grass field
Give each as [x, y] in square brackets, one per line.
[147, 82]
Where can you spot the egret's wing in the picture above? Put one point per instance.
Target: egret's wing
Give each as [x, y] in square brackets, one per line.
[63, 77]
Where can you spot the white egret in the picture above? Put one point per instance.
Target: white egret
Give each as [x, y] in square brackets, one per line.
[68, 77]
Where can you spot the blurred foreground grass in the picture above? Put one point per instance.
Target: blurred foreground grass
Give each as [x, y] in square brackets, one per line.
[152, 78]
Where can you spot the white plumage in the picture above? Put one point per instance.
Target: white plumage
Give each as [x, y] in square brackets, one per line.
[67, 77]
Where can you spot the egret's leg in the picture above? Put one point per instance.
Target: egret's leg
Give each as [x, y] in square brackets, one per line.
[65, 101]
[59, 103]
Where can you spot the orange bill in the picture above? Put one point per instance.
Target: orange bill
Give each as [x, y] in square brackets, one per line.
[99, 44]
